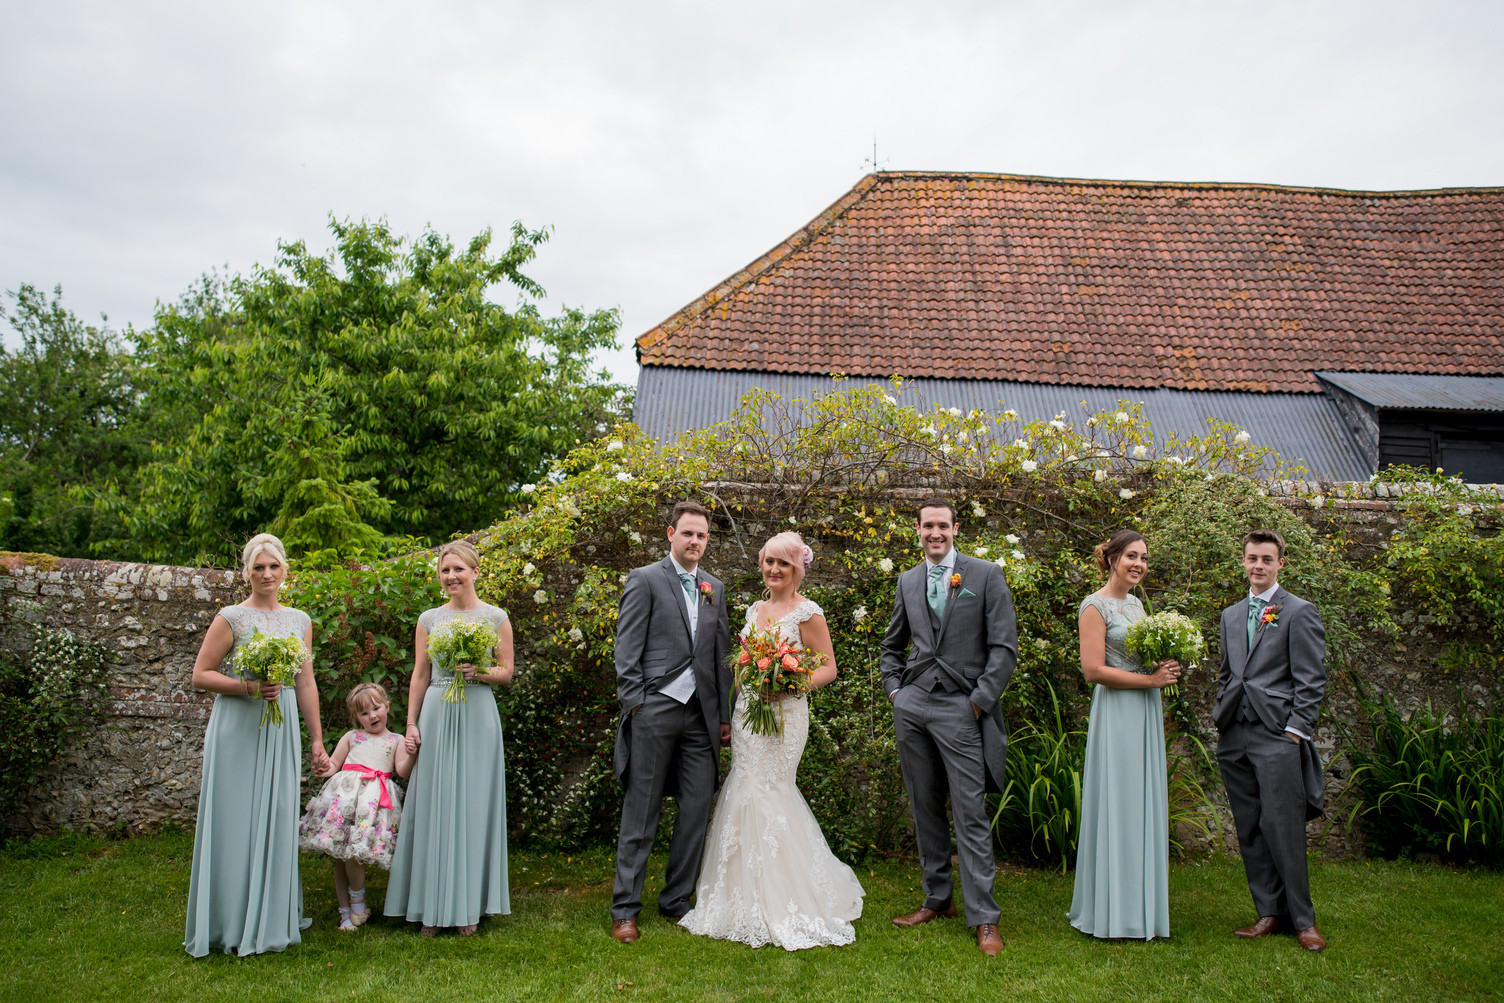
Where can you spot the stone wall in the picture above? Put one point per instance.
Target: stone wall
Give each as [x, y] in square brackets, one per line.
[139, 768]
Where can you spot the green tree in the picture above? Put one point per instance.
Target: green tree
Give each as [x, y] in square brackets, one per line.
[372, 392]
[66, 424]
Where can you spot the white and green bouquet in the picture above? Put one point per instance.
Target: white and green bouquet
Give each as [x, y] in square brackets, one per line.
[1166, 635]
[458, 641]
[272, 660]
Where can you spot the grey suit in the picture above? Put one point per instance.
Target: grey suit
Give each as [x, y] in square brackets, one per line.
[665, 747]
[1261, 691]
[944, 748]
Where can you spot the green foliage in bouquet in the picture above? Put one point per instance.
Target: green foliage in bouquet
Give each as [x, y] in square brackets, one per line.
[1166, 635]
[460, 640]
[274, 660]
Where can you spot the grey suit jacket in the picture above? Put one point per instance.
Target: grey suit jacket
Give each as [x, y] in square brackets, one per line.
[653, 647]
[975, 649]
[1283, 675]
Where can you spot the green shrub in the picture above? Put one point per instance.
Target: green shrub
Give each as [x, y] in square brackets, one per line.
[1432, 781]
[46, 697]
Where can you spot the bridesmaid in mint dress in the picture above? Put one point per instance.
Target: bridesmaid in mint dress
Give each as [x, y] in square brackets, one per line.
[1123, 853]
[245, 895]
[450, 866]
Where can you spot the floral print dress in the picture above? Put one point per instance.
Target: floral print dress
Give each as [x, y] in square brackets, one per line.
[355, 816]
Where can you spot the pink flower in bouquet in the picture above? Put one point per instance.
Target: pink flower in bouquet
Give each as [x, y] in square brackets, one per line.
[744, 658]
[790, 662]
[763, 663]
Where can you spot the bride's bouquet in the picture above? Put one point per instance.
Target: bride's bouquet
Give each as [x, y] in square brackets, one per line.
[766, 667]
[458, 641]
[272, 660]
[1166, 635]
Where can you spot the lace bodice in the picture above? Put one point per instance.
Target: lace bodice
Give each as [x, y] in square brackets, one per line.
[376, 752]
[244, 621]
[1119, 615]
[788, 627]
[434, 618]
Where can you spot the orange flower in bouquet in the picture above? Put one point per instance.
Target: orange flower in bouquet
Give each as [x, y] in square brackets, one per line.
[767, 667]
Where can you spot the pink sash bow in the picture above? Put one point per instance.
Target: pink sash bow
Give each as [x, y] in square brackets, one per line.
[366, 773]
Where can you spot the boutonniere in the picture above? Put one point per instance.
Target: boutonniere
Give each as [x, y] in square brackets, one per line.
[1270, 615]
[955, 583]
[707, 594]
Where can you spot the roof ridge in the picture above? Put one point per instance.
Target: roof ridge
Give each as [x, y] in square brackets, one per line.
[1207, 185]
[761, 266]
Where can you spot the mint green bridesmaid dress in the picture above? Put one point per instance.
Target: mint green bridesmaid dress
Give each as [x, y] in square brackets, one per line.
[450, 866]
[1123, 853]
[245, 895]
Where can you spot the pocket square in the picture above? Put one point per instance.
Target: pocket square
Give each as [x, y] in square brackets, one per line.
[964, 593]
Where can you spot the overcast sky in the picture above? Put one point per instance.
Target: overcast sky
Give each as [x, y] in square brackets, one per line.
[669, 144]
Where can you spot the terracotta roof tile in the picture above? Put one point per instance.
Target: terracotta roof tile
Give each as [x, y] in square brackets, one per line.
[1113, 283]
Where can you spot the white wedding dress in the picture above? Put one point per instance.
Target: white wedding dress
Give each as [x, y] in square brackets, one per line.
[768, 876]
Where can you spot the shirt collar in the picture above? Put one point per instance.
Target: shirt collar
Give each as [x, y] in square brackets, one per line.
[679, 567]
[1267, 596]
[948, 561]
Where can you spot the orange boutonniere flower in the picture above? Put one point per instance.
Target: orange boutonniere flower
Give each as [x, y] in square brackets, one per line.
[707, 594]
[1270, 615]
[955, 581]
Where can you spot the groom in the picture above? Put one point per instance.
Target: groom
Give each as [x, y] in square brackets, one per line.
[958, 614]
[1269, 690]
[673, 683]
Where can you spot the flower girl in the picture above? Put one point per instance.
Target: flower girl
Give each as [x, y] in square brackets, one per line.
[354, 818]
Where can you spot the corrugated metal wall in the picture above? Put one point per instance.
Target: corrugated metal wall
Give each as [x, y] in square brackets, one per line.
[1305, 428]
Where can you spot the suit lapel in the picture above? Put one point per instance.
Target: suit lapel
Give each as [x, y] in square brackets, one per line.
[917, 579]
[950, 600]
[1259, 630]
[1237, 642]
[678, 591]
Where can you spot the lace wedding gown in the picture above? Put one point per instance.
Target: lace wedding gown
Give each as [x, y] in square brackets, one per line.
[768, 876]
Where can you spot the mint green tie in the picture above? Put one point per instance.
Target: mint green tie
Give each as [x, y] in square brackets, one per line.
[936, 591]
[1255, 607]
[688, 581]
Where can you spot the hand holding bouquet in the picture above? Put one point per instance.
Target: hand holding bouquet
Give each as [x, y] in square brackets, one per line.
[767, 667]
[272, 660]
[1166, 635]
[457, 642]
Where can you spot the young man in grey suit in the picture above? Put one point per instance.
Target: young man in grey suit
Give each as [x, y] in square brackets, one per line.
[674, 685]
[957, 613]
[1269, 691]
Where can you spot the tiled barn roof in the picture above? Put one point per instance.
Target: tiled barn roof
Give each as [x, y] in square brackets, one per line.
[1113, 283]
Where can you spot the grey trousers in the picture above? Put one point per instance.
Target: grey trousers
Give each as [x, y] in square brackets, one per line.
[667, 737]
[1261, 771]
[940, 750]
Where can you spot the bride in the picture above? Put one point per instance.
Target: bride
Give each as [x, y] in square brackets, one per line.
[768, 876]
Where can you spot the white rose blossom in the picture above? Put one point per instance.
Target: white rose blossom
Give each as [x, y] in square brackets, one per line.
[613, 445]
[1017, 555]
[1242, 438]
[1012, 539]
[1020, 443]
[1139, 452]
[954, 412]
[1058, 425]
[528, 489]
[529, 570]
[978, 511]
[576, 635]
[859, 614]
[623, 476]
[886, 564]
[1121, 417]
[635, 536]
[1010, 414]
[1124, 493]
[540, 597]
[980, 551]
[1001, 562]
[1029, 466]
[1099, 476]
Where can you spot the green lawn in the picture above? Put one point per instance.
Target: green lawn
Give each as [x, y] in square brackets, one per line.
[87, 919]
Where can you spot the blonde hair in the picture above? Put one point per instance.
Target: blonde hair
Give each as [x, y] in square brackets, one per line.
[362, 698]
[463, 549]
[253, 549]
[788, 547]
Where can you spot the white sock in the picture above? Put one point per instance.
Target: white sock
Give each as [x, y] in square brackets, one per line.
[357, 898]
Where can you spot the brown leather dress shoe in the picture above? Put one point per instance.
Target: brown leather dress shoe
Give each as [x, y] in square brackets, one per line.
[1264, 927]
[923, 915]
[624, 930]
[989, 942]
[1311, 939]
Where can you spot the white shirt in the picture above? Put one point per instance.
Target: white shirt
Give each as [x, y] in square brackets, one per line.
[1267, 596]
[682, 687]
